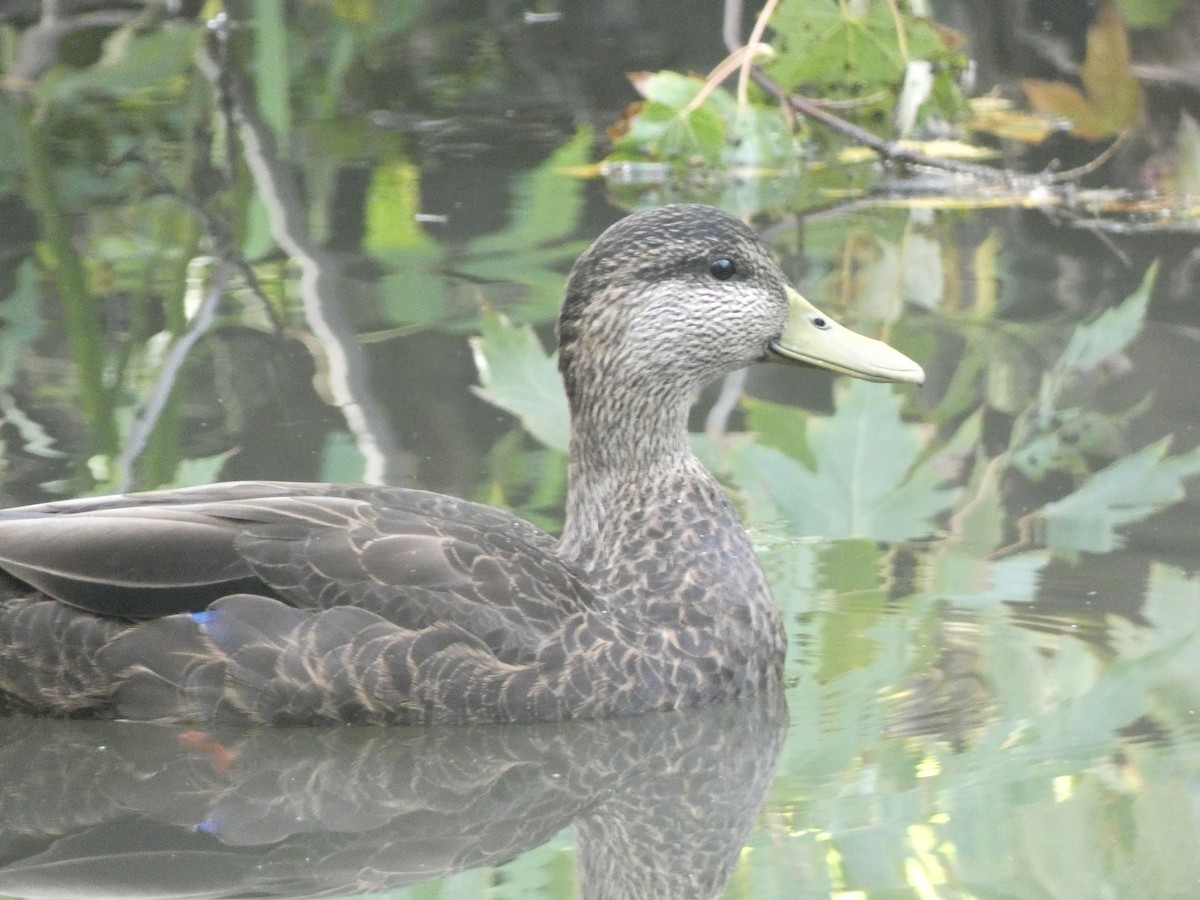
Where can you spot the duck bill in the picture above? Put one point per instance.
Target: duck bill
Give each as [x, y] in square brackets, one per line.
[811, 338]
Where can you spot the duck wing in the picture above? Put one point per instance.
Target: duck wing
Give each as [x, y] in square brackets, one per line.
[286, 603]
[412, 557]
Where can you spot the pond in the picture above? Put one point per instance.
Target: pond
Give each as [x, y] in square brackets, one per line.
[328, 241]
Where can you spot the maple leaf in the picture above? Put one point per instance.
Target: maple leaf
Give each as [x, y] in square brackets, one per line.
[1111, 100]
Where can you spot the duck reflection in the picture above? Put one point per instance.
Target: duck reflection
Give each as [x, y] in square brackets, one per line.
[661, 805]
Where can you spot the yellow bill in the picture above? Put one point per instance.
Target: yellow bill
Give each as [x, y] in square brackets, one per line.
[811, 338]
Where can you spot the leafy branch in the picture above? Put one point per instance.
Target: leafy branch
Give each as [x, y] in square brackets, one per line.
[874, 59]
[892, 151]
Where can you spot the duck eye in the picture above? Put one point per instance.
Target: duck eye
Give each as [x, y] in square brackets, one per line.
[722, 269]
[820, 322]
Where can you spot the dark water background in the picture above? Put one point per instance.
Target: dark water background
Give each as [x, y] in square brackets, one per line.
[990, 582]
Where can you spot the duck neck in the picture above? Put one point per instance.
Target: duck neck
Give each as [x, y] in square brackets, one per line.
[654, 532]
[621, 453]
[641, 509]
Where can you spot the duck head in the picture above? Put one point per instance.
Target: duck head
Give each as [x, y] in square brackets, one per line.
[678, 296]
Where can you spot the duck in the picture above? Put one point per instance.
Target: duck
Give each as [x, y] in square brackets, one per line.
[280, 603]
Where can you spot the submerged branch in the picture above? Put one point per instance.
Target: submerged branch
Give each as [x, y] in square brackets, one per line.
[343, 362]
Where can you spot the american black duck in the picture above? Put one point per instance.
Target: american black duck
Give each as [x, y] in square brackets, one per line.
[296, 603]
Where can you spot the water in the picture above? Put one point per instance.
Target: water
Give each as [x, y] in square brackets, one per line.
[989, 582]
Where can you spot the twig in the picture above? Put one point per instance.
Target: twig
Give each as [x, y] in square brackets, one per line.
[169, 374]
[892, 151]
[760, 25]
[225, 246]
[901, 37]
[1089, 167]
[723, 70]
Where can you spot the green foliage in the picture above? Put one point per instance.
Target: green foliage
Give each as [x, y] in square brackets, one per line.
[197, 471]
[841, 49]
[854, 489]
[1107, 335]
[1172, 615]
[517, 375]
[1061, 433]
[1130, 490]
[779, 427]
[530, 483]
[12, 151]
[1149, 13]
[674, 125]
[153, 63]
[342, 459]
[272, 70]
[393, 202]
[835, 49]
[671, 127]
[21, 327]
[1022, 796]
[517, 270]
[21, 321]
[886, 783]
[414, 292]
[537, 246]
[545, 209]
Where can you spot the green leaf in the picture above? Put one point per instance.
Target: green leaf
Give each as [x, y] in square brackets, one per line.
[547, 202]
[393, 201]
[966, 581]
[272, 75]
[698, 135]
[129, 64]
[1081, 436]
[856, 490]
[759, 137]
[415, 293]
[830, 46]
[202, 470]
[12, 150]
[535, 248]
[22, 322]
[258, 240]
[530, 483]
[1128, 491]
[671, 126]
[780, 426]
[1110, 333]
[979, 519]
[517, 375]
[1047, 437]
[342, 459]
[676, 92]
[1149, 13]
[667, 127]
[851, 569]
[1172, 611]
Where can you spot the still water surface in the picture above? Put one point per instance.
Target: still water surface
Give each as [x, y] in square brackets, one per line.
[989, 582]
